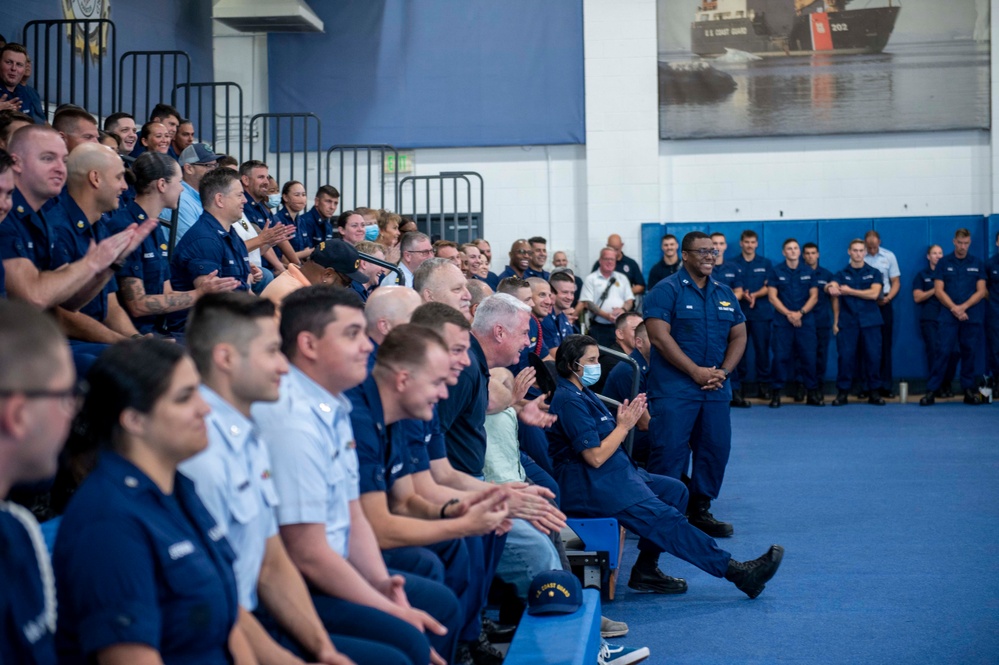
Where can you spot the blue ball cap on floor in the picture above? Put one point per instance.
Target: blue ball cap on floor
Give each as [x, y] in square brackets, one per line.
[554, 592]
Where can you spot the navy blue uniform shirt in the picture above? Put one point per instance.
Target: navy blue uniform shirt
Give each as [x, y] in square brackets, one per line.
[853, 311]
[728, 274]
[823, 309]
[960, 278]
[314, 229]
[31, 101]
[755, 274]
[72, 234]
[134, 565]
[26, 635]
[583, 422]
[207, 247]
[303, 238]
[256, 212]
[148, 263]
[491, 278]
[700, 321]
[793, 286]
[463, 414]
[555, 328]
[539, 345]
[381, 448]
[993, 277]
[24, 234]
[929, 309]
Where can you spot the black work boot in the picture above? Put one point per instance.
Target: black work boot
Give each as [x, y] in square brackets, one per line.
[815, 398]
[738, 401]
[764, 391]
[481, 651]
[842, 398]
[751, 577]
[799, 392]
[699, 515]
[775, 399]
[929, 399]
[972, 397]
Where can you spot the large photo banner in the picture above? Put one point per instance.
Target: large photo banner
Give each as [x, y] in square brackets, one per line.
[732, 68]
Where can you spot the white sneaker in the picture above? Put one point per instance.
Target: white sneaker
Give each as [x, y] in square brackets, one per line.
[614, 654]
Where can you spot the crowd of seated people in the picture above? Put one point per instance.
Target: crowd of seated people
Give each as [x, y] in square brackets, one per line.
[269, 447]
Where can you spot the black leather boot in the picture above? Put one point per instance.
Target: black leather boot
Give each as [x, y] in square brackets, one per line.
[775, 399]
[815, 398]
[699, 515]
[751, 577]
[841, 399]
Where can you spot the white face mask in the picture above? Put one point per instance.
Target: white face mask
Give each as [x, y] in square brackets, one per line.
[591, 374]
[273, 201]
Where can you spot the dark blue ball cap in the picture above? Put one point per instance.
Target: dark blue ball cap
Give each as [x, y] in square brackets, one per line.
[554, 592]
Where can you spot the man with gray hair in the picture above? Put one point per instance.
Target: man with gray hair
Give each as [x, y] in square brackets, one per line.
[499, 333]
[414, 248]
[439, 280]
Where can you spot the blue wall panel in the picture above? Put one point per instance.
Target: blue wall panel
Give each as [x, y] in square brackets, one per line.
[436, 73]
[907, 237]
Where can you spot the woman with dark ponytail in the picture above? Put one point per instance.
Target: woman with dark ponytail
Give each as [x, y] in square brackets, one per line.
[143, 574]
[144, 279]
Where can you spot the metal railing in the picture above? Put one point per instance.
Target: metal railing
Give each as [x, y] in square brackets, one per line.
[158, 84]
[384, 264]
[202, 106]
[636, 375]
[349, 203]
[64, 80]
[462, 223]
[288, 121]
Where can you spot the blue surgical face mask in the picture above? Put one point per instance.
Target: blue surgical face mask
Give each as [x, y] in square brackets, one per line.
[371, 232]
[591, 374]
[274, 201]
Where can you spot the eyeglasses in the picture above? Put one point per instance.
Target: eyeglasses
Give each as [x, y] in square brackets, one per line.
[421, 252]
[70, 399]
[703, 252]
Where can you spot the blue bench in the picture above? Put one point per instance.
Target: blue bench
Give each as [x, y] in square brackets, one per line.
[559, 639]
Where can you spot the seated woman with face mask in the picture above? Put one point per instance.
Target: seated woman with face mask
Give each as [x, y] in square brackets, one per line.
[598, 479]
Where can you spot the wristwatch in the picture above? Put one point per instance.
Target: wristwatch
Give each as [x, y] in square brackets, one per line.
[726, 372]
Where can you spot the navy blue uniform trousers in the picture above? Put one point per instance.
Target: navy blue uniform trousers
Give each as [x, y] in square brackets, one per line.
[689, 429]
[758, 340]
[792, 343]
[848, 341]
[970, 338]
[662, 526]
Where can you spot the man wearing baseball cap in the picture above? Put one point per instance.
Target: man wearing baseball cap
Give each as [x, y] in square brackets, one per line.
[332, 262]
[196, 160]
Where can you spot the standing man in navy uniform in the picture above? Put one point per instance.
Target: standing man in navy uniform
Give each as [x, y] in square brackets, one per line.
[794, 294]
[960, 287]
[756, 271]
[670, 262]
[925, 295]
[37, 404]
[993, 310]
[885, 261]
[857, 322]
[730, 275]
[822, 311]
[698, 334]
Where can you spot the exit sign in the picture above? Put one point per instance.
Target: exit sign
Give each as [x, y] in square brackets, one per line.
[402, 164]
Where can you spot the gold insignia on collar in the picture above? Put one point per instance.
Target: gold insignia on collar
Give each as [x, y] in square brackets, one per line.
[724, 303]
[80, 225]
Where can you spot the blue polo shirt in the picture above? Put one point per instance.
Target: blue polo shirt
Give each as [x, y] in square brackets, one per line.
[133, 564]
[26, 635]
[424, 441]
[31, 101]
[463, 414]
[728, 274]
[149, 263]
[618, 383]
[24, 233]
[206, 247]
[256, 212]
[555, 328]
[960, 278]
[853, 311]
[491, 278]
[993, 276]
[793, 286]
[381, 449]
[755, 274]
[929, 309]
[72, 234]
[823, 309]
[314, 229]
[189, 210]
[700, 321]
